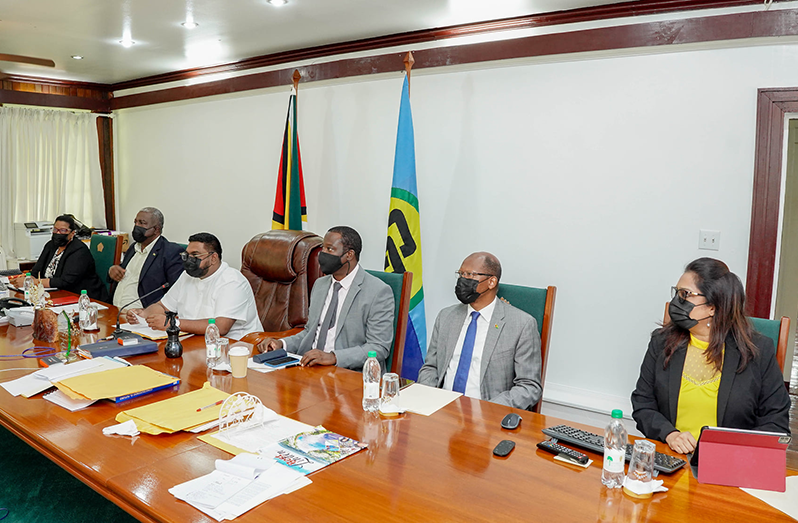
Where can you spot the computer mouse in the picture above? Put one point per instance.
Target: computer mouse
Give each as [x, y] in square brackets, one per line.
[511, 421]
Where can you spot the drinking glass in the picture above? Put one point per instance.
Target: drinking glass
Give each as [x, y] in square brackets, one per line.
[641, 467]
[390, 388]
[224, 349]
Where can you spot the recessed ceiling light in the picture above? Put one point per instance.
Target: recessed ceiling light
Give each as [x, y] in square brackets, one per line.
[77, 57]
[127, 43]
[189, 25]
[277, 3]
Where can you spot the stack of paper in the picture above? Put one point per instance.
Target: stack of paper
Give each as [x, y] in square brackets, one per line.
[43, 379]
[142, 329]
[116, 384]
[238, 485]
[255, 438]
[184, 412]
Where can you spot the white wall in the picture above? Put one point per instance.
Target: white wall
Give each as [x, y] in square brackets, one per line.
[594, 176]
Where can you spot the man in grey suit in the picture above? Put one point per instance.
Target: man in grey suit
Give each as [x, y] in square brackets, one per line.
[484, 348]
[351, 311]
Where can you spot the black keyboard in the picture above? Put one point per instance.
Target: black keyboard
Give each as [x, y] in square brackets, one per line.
[10, 272]
[588, 440]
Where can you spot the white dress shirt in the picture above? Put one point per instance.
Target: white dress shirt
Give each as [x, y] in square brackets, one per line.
[474, 382]
[224, 294]
[127, 289]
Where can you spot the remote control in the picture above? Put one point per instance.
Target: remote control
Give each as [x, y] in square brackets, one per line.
[504, 447]
[548, 446]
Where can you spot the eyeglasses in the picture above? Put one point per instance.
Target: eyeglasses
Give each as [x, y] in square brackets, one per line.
[683, 294]
[62, 231]
[471, 275]
[184, 256]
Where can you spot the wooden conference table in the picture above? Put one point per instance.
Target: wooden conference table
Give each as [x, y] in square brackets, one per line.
[416, 468]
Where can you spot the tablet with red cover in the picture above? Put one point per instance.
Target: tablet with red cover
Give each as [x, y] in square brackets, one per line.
[743, 458]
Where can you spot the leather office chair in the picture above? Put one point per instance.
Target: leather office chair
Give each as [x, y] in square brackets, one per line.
[402, 287]
[281, 267]
[776, 330]
[106, 251]
[539, 303]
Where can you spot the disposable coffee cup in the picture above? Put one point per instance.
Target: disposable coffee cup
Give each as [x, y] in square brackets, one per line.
[238, 361]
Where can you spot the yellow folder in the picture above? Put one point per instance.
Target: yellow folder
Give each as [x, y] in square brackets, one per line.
[114, 383]
[178, 413]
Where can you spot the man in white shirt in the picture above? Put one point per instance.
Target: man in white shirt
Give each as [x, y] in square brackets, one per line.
[148, 264]
[209, 288]
[351, 312]
[485, 347]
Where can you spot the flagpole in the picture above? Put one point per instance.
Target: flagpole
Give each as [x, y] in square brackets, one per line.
[296, 77]
[409, 61]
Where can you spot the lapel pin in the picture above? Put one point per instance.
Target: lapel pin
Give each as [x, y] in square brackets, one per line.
[497, 325]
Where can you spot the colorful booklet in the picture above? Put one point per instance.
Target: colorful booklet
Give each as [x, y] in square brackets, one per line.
[322, 445]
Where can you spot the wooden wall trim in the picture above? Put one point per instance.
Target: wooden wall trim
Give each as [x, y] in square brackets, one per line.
[55, 100]
[587, 14]
[651, 34]
[772, 105]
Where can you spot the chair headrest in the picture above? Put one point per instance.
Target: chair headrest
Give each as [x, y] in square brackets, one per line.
[270, 255]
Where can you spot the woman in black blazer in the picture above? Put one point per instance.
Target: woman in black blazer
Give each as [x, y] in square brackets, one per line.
[731, 378]
[67, 264]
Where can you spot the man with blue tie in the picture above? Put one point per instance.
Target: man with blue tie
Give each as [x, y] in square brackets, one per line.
[484, 348]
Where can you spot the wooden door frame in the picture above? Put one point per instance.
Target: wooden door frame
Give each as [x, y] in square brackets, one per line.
[772, 105]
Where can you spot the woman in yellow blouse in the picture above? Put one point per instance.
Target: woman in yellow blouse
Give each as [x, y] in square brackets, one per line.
[708, 366]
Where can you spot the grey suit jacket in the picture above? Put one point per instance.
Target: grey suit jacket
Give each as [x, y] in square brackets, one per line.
[510, 359]
[365, 322]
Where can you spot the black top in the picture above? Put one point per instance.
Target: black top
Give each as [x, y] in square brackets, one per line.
[754, 399]
[162, 265]
[75, 271]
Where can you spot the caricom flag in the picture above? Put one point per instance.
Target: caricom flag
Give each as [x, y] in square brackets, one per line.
[403, 252]
[289, 202]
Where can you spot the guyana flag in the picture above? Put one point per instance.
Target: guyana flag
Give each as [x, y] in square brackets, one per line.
[289, 202]
[403, 252]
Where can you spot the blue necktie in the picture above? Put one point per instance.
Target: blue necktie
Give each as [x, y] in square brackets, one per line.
[461, 377]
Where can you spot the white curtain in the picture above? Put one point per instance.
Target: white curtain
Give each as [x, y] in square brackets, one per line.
[49, 165]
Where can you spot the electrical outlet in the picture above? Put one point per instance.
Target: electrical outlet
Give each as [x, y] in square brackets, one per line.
[708, 240]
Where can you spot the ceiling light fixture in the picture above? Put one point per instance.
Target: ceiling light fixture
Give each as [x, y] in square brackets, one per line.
[77, 57]
[127, 43]
[277, 3]
[189, 24]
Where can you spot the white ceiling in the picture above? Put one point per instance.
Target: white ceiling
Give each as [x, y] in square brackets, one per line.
[228, 31]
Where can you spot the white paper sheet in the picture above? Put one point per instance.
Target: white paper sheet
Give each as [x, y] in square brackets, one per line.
[223, 495]
[62, 400]
[255, 438]
[425, 400]
[786, 501]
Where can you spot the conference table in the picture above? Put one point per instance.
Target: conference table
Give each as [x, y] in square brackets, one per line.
[416, 468]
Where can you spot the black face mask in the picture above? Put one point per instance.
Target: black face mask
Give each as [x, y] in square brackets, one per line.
[192, 267]
[679, 312]
[330, 263]
[140, 233]
[59, 240]
[466, 290]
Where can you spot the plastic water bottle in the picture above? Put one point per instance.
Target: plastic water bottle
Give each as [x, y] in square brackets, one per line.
[27, 285]
[83, 310]
[212, 349]
[615, 439]
[371, 383]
